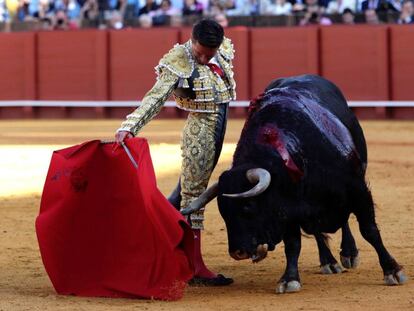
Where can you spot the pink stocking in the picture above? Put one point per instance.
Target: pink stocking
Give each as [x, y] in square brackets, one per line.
[200, 267]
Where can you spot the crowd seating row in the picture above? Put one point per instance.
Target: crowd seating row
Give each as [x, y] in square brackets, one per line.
[247, 21]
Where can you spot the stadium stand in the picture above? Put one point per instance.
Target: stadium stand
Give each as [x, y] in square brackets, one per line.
[367, 62]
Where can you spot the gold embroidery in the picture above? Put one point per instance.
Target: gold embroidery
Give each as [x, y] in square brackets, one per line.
[198, 140]
[178, 60]
[208, 87]
[151, 103]
[227, 49]
[198, 152]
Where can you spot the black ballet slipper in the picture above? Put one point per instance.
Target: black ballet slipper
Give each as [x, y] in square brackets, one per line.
[219, 280]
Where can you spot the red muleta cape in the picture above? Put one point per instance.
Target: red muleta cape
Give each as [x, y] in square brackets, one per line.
[104, 228]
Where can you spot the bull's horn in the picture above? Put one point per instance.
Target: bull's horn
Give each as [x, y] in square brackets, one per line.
[255, 175]
[202, 200]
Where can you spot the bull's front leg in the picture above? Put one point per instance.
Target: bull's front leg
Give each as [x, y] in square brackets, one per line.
[290, 281]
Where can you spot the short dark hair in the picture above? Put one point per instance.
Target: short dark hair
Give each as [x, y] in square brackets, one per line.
[208, 33]
[348, 10]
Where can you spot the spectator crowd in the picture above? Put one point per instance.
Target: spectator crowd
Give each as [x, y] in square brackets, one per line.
[116, 14]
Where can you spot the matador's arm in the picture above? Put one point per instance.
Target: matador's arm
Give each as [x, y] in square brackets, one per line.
[151, 103]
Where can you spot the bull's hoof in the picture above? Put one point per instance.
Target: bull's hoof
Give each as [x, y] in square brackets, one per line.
[350, 262]
[331, 269]
[396, 278]
[288, 287]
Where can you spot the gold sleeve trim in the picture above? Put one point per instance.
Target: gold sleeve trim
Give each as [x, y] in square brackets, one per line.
[151, 103]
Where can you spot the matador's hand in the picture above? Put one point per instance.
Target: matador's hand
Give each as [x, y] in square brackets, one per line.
[122, 135]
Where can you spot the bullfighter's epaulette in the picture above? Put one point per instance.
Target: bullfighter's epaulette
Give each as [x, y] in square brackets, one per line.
[227, 49]
[178, 60]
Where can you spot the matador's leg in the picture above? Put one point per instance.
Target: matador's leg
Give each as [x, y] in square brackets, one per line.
[175, 196]
[201, 145]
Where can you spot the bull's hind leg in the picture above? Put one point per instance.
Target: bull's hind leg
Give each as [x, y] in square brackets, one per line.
[290, 282]
[349, 251]
[329, 265]
[393, 273]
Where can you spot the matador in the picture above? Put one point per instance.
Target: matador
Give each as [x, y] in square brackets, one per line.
[199, 75]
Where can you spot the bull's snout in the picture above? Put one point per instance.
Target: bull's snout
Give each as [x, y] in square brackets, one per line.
[239, 255]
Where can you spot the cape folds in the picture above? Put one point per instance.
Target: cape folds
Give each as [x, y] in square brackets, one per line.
[104, 228]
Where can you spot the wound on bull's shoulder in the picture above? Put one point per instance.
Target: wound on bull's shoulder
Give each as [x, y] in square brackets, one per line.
[274, 137]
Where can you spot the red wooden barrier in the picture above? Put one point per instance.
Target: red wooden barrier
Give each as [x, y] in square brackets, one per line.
[367, 63]
[17, 66]
[185, 34]
[356, 59]
[72, 65]
[282, 52]
[240, 39]
[134, 54]
[402, 62]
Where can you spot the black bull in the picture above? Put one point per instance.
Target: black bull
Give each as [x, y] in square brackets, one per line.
[299, 164]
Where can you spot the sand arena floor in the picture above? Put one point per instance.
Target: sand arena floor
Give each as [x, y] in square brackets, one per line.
[25, 149]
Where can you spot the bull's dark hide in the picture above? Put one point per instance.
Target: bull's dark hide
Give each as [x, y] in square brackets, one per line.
[302, 132]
